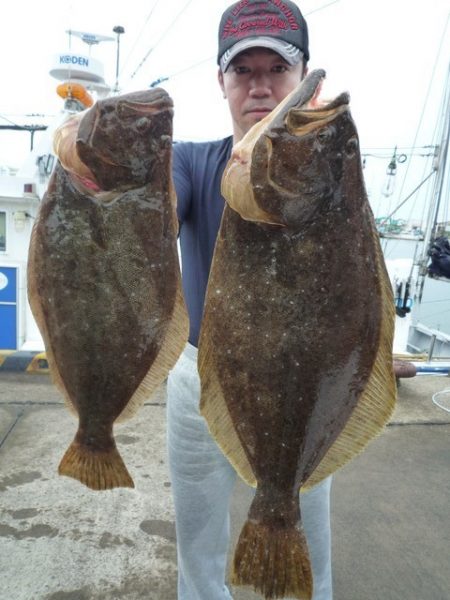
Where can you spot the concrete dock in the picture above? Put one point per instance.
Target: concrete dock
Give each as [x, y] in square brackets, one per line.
[62, 541]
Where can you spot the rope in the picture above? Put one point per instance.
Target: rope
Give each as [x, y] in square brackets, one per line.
[434, 398]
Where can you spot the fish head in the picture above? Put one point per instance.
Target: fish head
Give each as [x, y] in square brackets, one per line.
[126, 140]
[309, 165]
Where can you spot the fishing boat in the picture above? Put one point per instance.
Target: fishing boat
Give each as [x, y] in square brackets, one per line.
[81, 80]
[428, 267]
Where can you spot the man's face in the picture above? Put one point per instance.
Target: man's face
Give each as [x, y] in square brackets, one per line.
[256, 81]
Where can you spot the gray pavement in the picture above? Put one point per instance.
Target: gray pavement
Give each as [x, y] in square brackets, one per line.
[62, 541]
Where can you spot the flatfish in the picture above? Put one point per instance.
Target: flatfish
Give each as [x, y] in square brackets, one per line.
[103, 273]
[295, 350]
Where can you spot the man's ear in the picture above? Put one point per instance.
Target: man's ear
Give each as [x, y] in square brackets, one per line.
[220, 78]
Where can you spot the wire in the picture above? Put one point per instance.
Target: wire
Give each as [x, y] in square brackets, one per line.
[408, 197]
[436, 314]
[165, 78]
[427, 95]
[161, 38]
[138, 37]
[385, 156]
[161, 79]
[389, 148]
[8, 120]
[28, 115]
[321, 8]
[434, 301]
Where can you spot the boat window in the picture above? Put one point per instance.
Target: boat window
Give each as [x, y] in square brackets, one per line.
[2, 231]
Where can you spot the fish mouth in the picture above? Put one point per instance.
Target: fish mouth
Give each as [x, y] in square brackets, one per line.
[134, 117]
[304, 109]
[159, 103]
[303, 96]
[148, 103]
[302, 120]
[159, 94]
[271, 194]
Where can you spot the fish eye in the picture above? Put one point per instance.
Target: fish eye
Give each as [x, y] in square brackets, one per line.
[142, 124]
[351, 146]
[325, 134]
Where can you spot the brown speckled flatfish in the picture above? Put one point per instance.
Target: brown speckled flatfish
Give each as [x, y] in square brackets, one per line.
[295, 351]
[103, 276]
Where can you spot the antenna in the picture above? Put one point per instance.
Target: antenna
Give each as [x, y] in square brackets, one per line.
[74, 68]
[118, 29]
[90, 38]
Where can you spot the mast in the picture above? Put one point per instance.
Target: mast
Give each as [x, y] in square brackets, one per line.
[440, 166]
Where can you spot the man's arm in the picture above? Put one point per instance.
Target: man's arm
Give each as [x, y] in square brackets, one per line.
[182, 178]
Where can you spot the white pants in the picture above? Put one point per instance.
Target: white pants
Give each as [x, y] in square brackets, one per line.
[202, 485]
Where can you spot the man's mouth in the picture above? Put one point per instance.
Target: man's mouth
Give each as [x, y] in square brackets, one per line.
[258, 110]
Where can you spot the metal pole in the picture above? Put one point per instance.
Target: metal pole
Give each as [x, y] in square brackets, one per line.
[431, 348]
[118, 29]
[440, 167]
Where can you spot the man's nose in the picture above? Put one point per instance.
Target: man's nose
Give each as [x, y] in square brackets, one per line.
[260, 86]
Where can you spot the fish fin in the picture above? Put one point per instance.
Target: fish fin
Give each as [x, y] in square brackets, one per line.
[213, 407]
[171, 348]
[275, 562]
[377, 402]
[98, 470]
[38, 313]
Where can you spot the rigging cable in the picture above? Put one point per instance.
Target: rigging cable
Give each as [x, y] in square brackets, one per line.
[446, 300]
[214, 56]
[160, 38]
[197, 64]
[386, 219]
[403, 148]
[435, 158]
[8, 120]
[427, 192]
[441, 43]
[138, 37]
[321, 8]
[436, 314]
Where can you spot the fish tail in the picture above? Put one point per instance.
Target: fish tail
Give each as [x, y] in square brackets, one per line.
[274, 561]
[97, 469]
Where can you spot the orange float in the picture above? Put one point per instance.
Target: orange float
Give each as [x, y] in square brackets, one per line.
[75, 90]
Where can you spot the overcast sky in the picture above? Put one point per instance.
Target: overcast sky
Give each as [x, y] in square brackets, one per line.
[391, 55]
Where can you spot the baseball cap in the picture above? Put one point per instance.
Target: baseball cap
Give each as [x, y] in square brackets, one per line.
[272, 24]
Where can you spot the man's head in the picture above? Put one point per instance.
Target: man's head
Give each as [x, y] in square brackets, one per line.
[272, 24]
[263, 51]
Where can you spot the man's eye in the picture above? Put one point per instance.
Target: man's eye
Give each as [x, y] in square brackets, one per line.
[279, 69]
[240, 69]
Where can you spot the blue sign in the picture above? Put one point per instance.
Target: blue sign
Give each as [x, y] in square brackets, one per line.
[8, 308]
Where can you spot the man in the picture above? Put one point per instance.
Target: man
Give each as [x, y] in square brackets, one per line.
[263, 52]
